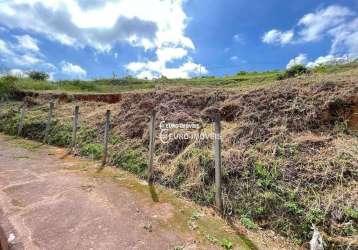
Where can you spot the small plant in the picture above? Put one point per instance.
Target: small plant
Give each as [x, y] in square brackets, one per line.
[247, 222]
[195, 215]
[38, 76]
[93, 150]
[314, 216]
[349, 229]
[293, 207]
[131, 160]
[178, 248]
[265, 180]
[259, 210]
[226, 244]
[60, 135]
[351, 213]
[212, 239]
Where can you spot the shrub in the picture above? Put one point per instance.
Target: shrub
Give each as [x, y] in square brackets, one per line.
[60, 135]
[38, 76]
[7, 86]
[93, 150]
[131, 160]
[320, 69]
[247, 222]
[242, 73]
[226, 244]
[296, 70]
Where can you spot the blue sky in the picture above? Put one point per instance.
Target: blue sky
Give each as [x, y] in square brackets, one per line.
[85, 39]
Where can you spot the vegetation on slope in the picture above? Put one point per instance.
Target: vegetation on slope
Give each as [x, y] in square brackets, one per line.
[289, 151]
[37, 81]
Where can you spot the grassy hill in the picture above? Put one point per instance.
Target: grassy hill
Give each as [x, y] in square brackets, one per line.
[289, 146]
[242, 80]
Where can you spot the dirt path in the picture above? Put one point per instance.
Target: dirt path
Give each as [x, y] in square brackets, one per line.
[51, 202]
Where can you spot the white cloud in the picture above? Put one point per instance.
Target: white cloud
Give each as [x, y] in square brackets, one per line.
[155, 69]
[27, 60]
[17, 73]
[170, 54]
[19, 56]
[300, 59]
[156, 25]
[278, 37]
[4, 48]
[345, 39]
[314, 25]
[100, 24]
[239, 38]
[329, 60]
[234, 58]
[67, 22]
[26, 42]
[322, 60]
[73, 70]
[338, 23]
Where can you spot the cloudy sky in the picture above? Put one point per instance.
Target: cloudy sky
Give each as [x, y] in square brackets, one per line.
[85, 39]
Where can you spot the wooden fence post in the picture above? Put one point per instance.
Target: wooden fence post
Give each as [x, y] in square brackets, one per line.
[22, 117]
[151, 146]
[106, 134]
[74, 128]
[218, 172]
[48, 124]
[2, 103]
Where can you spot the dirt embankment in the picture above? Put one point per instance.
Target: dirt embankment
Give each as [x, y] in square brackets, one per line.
[289, 151]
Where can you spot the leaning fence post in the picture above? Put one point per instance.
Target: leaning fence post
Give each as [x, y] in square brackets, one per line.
[74, 128]
[151, 146]
[217, 156]
[105, 142]
[48, 125]
[22, 117]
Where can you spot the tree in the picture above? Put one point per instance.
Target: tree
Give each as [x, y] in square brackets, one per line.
[39, 76]
[296, 70]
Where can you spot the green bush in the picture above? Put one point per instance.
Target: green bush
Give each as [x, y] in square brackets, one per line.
[7, 86]
[247, 222]
[132, 160]
[320, 69]
[315, 216]
[242, 73]
[60, 135]
[296, 70]
[93, 150]
[38, 76]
